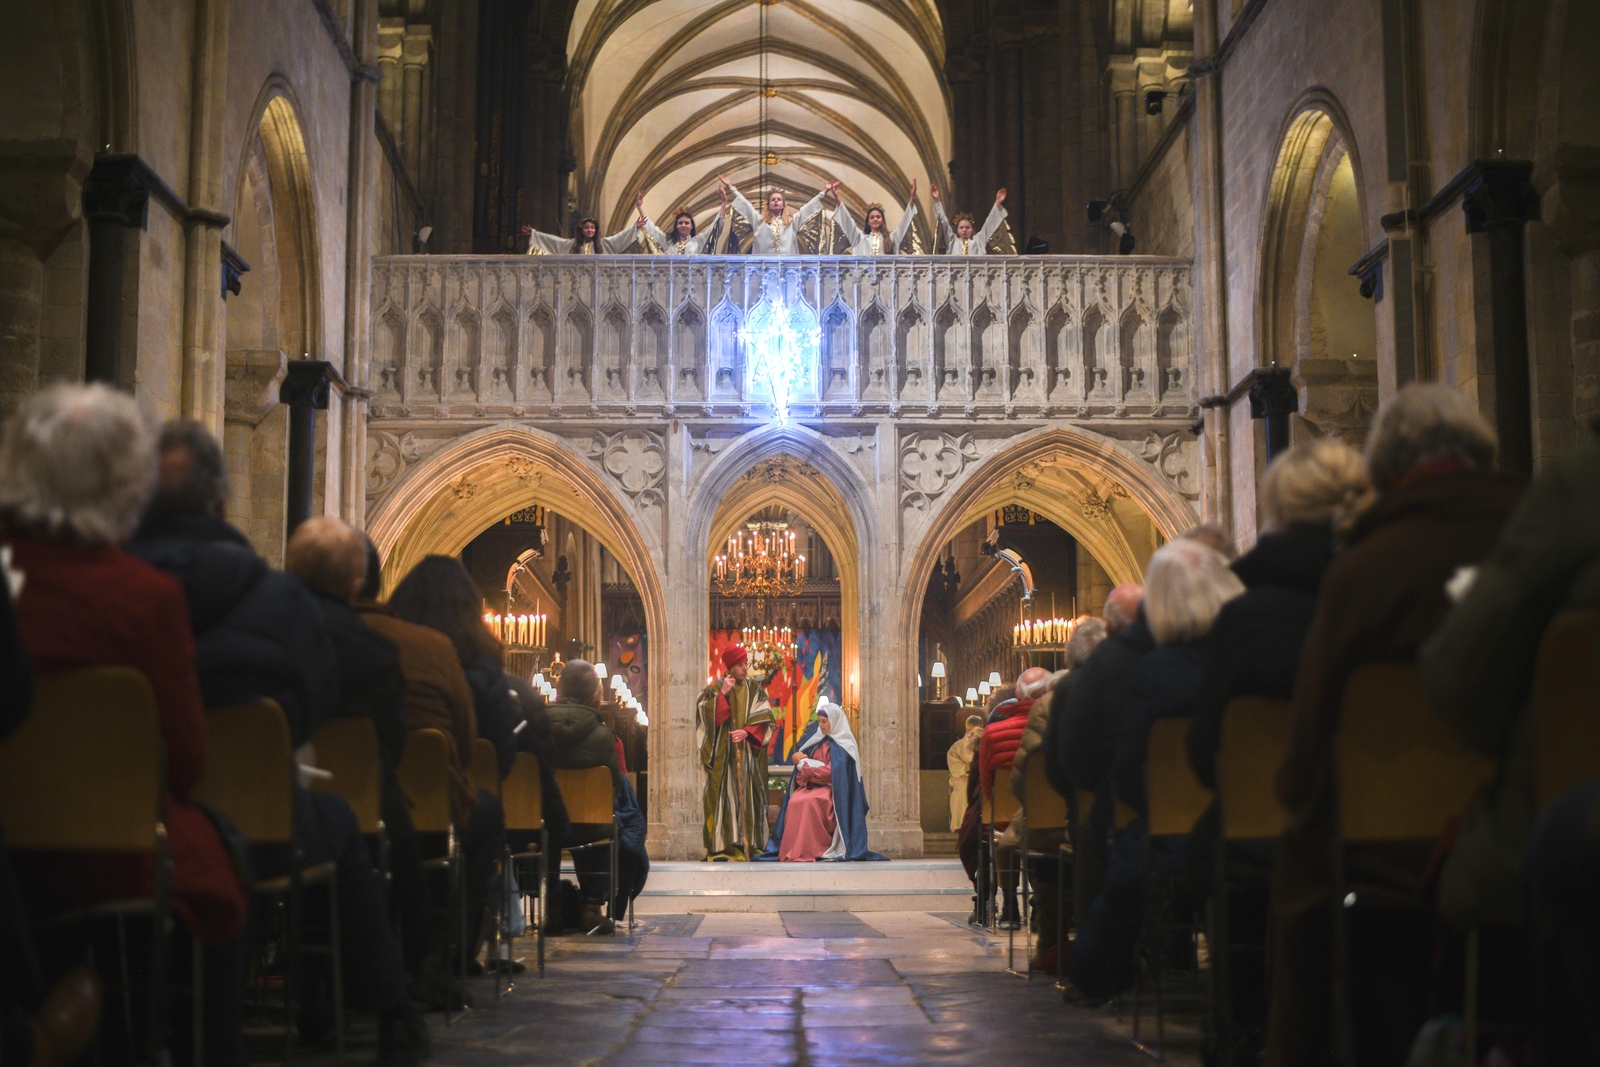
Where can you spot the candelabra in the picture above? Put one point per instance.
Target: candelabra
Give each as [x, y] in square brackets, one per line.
[1033, 633]
[769, 646]
[760, 561]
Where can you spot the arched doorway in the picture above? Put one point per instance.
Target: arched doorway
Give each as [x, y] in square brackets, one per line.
[272, 320]
[1313, 317]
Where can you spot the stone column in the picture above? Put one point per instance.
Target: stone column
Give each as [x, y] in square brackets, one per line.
[359, 211]
[21, 292]
[888, 671]
[116, 198]
[204, 369]
[306, 389]
[1273, 398]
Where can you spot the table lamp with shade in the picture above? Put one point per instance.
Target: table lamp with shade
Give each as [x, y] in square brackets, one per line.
[600, 670]
[936, 672]
[994, 679]
[972, 695]
[984, 689]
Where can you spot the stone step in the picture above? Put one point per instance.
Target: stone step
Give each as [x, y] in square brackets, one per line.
[898, 885]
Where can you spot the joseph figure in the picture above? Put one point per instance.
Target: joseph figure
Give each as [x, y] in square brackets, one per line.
[732, 723]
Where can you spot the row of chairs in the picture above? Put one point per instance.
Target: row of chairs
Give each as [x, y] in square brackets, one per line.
[1402, 778]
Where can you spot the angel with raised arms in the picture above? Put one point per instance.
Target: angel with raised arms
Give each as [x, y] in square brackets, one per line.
[587, 243]
[962, 237]
[685, 239]
[876, 240]
[776, 228]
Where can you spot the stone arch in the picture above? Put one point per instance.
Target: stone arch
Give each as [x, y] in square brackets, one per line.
[444, 501]
[1311, 316]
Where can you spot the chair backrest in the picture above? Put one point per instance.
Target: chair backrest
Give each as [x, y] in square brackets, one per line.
[1005, 805]
[348, 749]
[1176, 797]
[587, 794]
[84, 770]
[1402, 775]
[1255, 735]
[1566, 706]
[424, 775]
[484, 772]
[522, 794]
[250, 770]
[1047, 809]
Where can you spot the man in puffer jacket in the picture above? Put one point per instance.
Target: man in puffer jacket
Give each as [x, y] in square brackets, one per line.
[581, 739]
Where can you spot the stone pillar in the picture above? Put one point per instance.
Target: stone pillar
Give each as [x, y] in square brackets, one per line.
[1125, 115]
[21, 292]
[204, 365]
[306, 388]
[359, 212]
[1498, 201]
[1273, 398]
[116, 198]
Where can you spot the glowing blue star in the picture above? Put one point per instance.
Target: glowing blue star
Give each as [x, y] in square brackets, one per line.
[783, 345]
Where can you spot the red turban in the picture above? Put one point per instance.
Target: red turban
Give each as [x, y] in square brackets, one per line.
[734, 655]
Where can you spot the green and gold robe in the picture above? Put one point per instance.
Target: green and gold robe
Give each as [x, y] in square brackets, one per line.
[736, 774]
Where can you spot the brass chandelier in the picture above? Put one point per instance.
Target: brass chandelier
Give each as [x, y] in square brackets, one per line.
[760, 561]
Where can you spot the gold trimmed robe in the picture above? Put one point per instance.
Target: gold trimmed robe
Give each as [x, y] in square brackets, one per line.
[736, 774]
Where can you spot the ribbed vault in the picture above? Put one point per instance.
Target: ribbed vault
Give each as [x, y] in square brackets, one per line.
[666, 93]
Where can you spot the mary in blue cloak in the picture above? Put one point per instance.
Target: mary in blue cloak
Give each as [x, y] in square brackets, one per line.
[828, 818]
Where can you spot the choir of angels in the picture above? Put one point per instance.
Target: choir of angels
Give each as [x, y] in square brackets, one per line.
[776, 229]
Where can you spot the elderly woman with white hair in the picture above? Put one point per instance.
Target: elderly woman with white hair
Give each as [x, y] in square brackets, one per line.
[77, 464]
[824, 812]
[1186, 584]
[1439, 506]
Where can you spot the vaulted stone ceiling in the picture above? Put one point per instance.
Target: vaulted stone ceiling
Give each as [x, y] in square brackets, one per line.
[666, 93]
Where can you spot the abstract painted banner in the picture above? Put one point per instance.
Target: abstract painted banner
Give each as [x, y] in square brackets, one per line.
[626, 656]
[811, 675]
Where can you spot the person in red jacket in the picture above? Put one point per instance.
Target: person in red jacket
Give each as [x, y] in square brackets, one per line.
[77, 464]
[995, 752]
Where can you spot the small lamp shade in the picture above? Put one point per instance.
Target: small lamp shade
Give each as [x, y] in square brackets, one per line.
[994, 679]
[617, 682]
[972, 695]
[538, 680]
[919, 681]
[938, 669]
[984, 689]
[600, 669]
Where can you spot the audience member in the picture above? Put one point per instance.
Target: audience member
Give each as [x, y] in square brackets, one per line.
[1213, 536]
[581, 740]
[1187, 584]
[959, 759]
[1439, 506]
[996, 750]
[77, 465]
[258, 632]
[1478, 668]
[1254, 647]
[1563, 929]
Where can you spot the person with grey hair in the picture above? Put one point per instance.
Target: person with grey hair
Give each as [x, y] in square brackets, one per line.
[77, 464]
[1438, 507]
[1185, 586]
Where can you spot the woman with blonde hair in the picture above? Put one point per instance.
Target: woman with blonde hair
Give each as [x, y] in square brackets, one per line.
[962, 236]
[776, 228]
[876, 240]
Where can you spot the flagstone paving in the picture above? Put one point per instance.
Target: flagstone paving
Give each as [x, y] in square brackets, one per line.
[812, 988]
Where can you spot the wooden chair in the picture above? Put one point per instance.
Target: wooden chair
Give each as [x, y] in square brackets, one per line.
[424, 776]
[1176, 799]
[1254, 738]
[590, 801]
[250, 776]
[85, 773]
[1044, 809]
[999, 807]
[484, 770]
[347, 748]
[1402, 778]
[522, 795]
[1566, 706]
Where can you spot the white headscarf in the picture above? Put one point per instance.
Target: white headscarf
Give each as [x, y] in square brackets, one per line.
[841, 734]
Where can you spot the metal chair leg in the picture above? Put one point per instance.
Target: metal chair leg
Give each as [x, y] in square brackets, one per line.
[336, 960]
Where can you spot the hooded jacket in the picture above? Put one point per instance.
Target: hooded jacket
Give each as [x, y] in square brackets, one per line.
[258, 631]
[1081, 740]
[582, 739]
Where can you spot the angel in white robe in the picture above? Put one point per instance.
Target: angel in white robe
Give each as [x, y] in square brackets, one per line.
[587, 243]
[685, 239]
[876, 240]
[776, 228]
[961, 237]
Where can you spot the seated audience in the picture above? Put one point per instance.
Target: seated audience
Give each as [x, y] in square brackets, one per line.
[1087, 633]
[1254, 647]
[260, 633]
[77, 466]
[995, 752]
[1186, 585]
[330, 557]
[1439, 506]
[580, 740]
[440, 600]
[1563, 929]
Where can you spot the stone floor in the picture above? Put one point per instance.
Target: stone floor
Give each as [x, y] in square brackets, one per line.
[824, 988]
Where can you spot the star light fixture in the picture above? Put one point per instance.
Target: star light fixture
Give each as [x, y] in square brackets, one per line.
[781, 349]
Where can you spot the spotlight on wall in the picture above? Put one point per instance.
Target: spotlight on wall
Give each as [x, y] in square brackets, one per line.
[1125, 239]
[423, 235]
[1096, 209]
[1153, 100]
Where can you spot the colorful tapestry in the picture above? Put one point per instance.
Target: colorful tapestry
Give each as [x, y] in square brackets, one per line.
[626, 656]
[812, 674]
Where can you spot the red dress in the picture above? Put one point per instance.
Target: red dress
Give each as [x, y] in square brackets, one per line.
[809, 823]
[99, 607]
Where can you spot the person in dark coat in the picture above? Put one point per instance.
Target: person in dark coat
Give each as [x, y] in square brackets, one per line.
[1187, 584]
[1439, 507]
[261, 634]
[77, 466]
[1254, 646]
